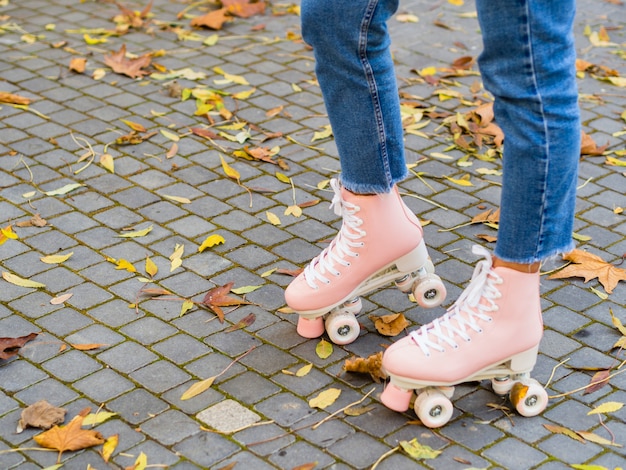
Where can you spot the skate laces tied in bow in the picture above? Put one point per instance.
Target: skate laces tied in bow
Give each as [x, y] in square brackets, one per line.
[476, 301]
[341, 246]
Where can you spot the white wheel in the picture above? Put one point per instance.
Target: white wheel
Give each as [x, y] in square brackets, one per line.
[342, 327]
[429, 291]
[433, 408]
[353, 306]
[405, 284]
[502, 385]
[533, 402]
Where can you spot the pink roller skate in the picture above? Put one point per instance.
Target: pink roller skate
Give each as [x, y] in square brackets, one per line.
[492, 332]
[380, 242]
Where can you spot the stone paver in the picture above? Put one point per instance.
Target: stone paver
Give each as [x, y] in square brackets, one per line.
[256, 413]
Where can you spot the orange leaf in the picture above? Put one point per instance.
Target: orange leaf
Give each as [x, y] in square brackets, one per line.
[589, 266]
[213, 20]
[87, 347]
[130, 67]
[371, 365]
[77, 64]
[390, 325]
[243, 8]
[70, 437]
[218, 297]
[13, 99]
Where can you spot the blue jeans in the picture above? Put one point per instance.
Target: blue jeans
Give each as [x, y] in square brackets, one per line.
[528, 64]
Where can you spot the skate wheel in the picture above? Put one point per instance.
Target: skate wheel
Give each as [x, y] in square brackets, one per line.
[533, 401]
[433, 408]
[353, 306]
[342, 327]
[395, 398]
[502, 385]
[429, 291]
[310, 327]
[405, 284]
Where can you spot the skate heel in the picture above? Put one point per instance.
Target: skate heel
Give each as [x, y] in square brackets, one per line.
[524, 362]
[413, 260]
[310, 327]
[396, 398]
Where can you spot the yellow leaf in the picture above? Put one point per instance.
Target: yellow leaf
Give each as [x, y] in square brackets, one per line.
[615, 161]
[7, 234]
[127, 265]
[134, 125]
[18, 281]
[304, 370]
[141, 462]
[151, 267]
[64, 190]
[296, 88]
[325, 399]
[294, 210]
[320, 135]
[607, 407]
[230, 171]
[138, 233]
[457, 3]
[407, 18]
[93, 419]
[176, 256]
[106, 160]
[56, 259]
[460, 181]
[591, 437]
[93, 41]
[211, 241]
[427, 71]
[323, 184]
[187, 305]
[182, 200]
[273, 218]
[170, 135]
[198, 388]
[242, 95]
[323, 349]
[283, 178]
[109, 447]
[245, 289]
[268, 272]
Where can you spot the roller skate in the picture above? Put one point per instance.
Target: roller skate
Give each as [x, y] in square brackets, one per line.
[492, 332]
[380, 242]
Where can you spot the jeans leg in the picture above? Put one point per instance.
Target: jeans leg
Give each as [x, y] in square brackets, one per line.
[355, 71]
[528, 64]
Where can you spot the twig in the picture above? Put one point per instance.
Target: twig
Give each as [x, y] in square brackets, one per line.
[384, 456]
[343, 409]
[580, 389]
[554, 371]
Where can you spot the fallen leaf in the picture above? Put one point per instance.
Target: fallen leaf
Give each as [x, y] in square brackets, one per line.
[418, 451]
[106, 160]
[218, 297]
[87, 346]
[129, 67]
[230, 171]
[64, 190]
[151, 268]
[211, 241]
[61, 299]
[243, 323]
[70, 437]
[557, 429]
[93, 419]
[9, 347]
[325, 399]
[213, 20]
[41, 415]
[78, 64]
[390, 325]
[607, 407]
[591, 437]
[590, 266]
[13, 98]
[372, 365]
[34, 221]
[56, 259]
[109, 446]
[19, 281]
[323, 349]
[138, 233]
[273, 218]
[244, 8]
[176, 256]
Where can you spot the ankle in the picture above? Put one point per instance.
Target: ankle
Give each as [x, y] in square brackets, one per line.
[521, 267]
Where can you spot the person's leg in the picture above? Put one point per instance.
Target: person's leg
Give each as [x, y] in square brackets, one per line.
[380, 239]
[528, 63]
[355, 71]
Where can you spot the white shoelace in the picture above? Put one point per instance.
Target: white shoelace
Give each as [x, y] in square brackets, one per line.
[341, 246]
[476, 302]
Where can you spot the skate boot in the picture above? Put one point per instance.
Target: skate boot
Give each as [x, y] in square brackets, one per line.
[380, 242]
[492, 332]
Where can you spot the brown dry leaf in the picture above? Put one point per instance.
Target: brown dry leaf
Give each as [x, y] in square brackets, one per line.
[129, 67]
[373, 365]
[78, 64]
[290, 272]
[599, 380]
[390, 325]
[13, 99]
[305, 466]
[9, 347]
[40, 415]
[213, 20]
[87, 347]
[129, 18]
[590, 266]
[244, 322]
[554, 428]
[34, 221]
[70, 437]
[589, 147]
[243, 8]
[218, 297]
[487, 238]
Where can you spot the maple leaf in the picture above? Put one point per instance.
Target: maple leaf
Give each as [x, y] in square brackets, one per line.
[590, 266]
[218, 297]
[130, 67]
[243, 8]
[9, 347]
[213, 20]
[70, 437]
[372, 365]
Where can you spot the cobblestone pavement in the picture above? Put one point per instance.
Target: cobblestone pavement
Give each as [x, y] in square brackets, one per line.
[150, 355]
